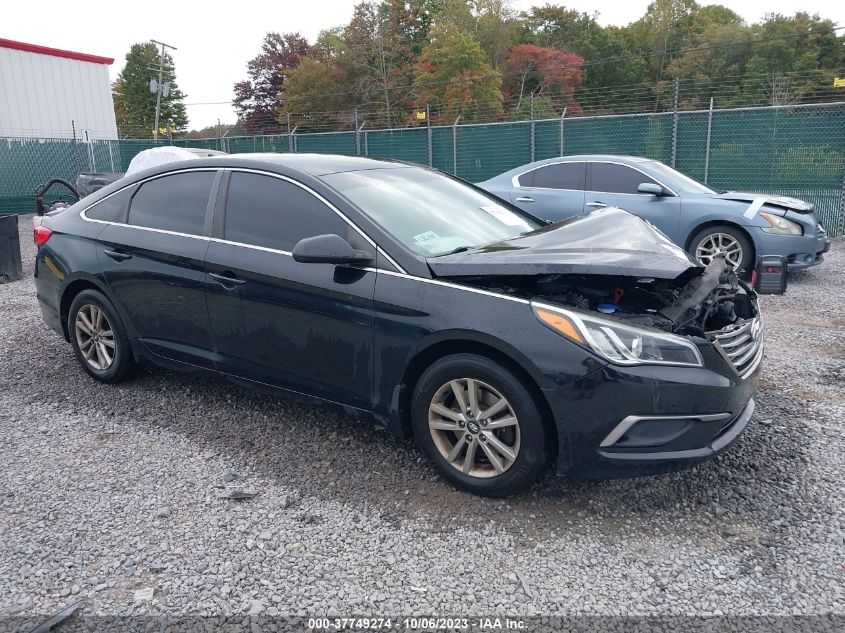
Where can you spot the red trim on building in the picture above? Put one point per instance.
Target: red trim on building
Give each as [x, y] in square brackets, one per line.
[55, 52]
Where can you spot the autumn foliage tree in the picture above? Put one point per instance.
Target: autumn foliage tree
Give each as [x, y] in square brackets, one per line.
[454, 77]
[257, 99]
[548, 73]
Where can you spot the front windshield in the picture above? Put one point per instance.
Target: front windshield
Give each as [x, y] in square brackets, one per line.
[428, 212]
[675, 180]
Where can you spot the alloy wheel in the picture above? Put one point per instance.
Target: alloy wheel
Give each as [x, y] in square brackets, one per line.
[95, 336]
[474, 427]
[716, 243]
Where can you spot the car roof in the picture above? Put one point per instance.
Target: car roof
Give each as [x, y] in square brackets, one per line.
[616, 158]
[313, 164]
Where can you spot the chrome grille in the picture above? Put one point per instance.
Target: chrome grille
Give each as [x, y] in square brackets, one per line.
[742, 345]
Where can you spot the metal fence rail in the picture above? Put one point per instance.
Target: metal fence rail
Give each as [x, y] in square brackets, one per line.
[789, 150]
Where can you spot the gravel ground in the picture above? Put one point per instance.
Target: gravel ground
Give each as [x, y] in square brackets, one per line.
[112, 495]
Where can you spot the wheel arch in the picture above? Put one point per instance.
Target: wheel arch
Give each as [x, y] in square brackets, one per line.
[711, 223]
[426, 356]
[69, 293]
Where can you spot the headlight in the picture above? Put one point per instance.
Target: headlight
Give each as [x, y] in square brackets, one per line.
[781, 226]
[618, 342]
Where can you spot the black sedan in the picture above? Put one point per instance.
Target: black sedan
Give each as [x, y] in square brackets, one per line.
[499, 342]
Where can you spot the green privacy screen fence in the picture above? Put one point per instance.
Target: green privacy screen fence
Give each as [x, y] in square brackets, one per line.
[787, 150]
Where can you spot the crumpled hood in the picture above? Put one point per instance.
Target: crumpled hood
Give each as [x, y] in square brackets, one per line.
[791, 204]
[607, 241]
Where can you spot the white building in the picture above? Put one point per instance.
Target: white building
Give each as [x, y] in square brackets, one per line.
[46, 92]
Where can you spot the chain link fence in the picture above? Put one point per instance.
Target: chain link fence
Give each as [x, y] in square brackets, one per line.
[796, 150]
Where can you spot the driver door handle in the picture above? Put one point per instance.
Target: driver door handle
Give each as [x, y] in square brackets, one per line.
[525, 199]
[226, 280]
[596, 204]
[117, 255]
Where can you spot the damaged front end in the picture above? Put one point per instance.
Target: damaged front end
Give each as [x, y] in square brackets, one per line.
[646, 320]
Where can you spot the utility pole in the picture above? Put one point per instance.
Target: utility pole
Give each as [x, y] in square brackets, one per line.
[160, 79]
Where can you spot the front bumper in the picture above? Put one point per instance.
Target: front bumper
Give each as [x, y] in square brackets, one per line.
[682, 416]
[800, 251]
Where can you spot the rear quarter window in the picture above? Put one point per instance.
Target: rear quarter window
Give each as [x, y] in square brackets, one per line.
[112, 208]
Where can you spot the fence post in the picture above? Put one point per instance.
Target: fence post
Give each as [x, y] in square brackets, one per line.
[707, 147]
[675, 124]
[563, 114]
[357, 135]
[366, 143]
[292, 140]
[358, 129]
[290, 137]
[455, 146]
[428, 123]
[839, 229]
[533, 131]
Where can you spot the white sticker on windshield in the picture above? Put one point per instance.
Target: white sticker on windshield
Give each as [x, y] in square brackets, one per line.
[426, 237]
[504, 216]
[754, 207]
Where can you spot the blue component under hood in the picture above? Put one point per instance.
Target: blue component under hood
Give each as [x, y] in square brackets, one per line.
[604, 242]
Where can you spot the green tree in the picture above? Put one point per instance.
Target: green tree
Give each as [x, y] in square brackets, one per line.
[135, 105]
[454, 76]
[312, 99]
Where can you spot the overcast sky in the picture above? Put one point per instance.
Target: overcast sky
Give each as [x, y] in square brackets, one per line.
[215, 39]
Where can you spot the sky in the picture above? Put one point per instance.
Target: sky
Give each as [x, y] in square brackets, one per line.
[214, 39]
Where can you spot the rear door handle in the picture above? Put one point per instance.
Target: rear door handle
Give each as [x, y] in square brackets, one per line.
[525, 199]
[596, 204]
[117, 255]
[226, 280]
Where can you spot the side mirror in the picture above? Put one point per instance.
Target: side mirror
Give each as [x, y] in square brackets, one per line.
[328, 249]
[650, 187]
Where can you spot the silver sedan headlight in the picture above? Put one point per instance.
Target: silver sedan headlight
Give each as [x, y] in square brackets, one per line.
[618, 342]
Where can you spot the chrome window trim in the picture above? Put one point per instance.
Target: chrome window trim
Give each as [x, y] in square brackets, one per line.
[222, 241]
[83, 213]
[620, 429]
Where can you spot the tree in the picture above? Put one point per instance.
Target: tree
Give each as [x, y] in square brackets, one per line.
[258, 98]
[542, 72]
[608, 60]
[135, 105]
[312, 99]
[454, 76]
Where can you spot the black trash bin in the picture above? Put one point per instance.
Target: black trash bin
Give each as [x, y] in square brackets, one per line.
[10, 249]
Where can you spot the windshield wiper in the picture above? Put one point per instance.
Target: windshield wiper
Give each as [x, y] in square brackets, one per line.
[460, 249]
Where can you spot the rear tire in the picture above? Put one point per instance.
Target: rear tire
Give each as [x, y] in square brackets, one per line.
[722, 237]
[98, 338]
[468, 407]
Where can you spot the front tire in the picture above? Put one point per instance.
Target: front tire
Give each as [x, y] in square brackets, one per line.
[479, 425]
[98, 338]
[738, 249]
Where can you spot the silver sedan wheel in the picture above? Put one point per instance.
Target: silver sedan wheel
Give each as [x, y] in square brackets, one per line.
[716, 243]
[95, 336]
[474, 428]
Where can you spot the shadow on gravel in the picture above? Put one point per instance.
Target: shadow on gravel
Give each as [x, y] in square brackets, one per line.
[329, 455]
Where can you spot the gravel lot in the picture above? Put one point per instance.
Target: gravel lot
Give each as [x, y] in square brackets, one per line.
[108, 491]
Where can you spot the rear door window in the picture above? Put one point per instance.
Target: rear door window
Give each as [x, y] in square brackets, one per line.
[175, 203]
[558, 176]
[614, 178]
[274, 213]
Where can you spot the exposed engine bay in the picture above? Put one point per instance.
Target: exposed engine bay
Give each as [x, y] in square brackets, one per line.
[691, 304]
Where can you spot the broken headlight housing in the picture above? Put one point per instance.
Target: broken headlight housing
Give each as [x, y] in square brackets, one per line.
[618, 342]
